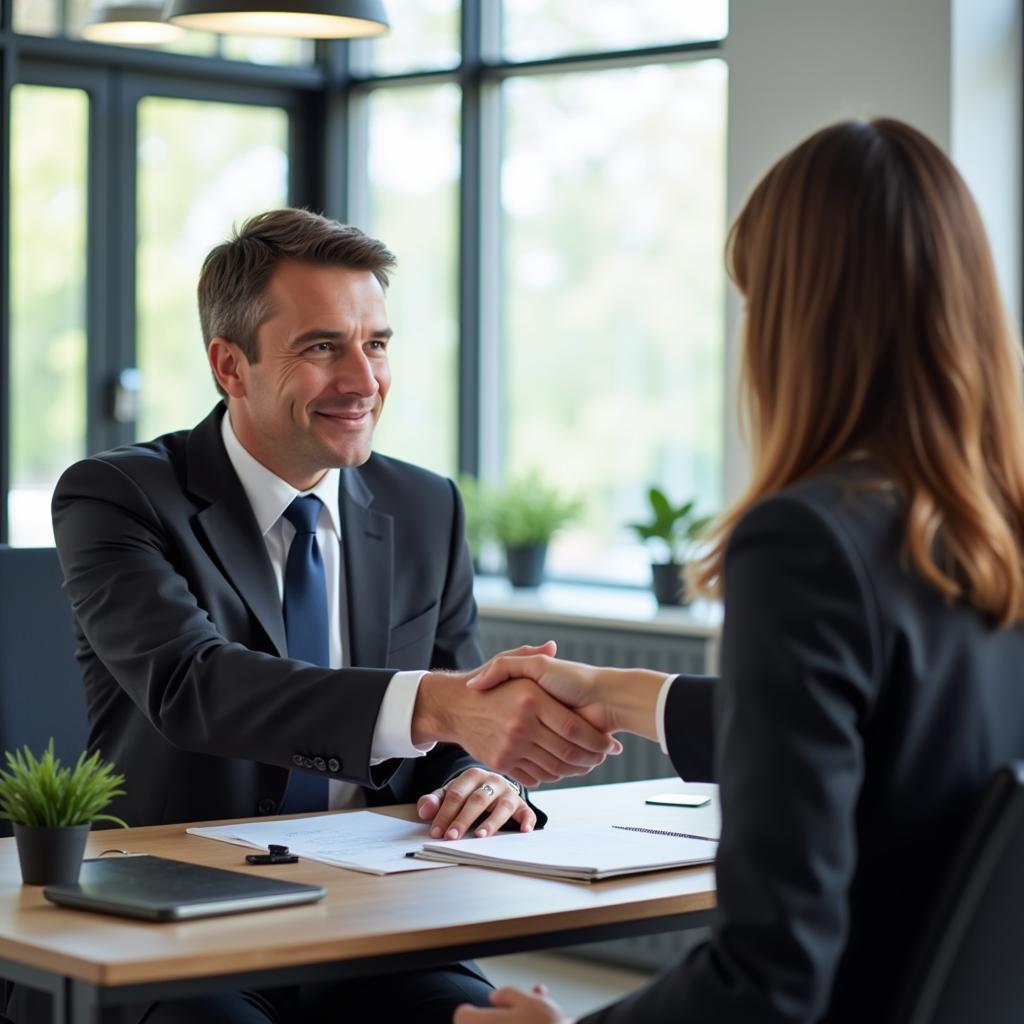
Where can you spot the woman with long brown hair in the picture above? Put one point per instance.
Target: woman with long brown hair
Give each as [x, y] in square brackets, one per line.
[873, 577]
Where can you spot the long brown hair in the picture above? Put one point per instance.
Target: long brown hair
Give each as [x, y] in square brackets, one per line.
[874, 324]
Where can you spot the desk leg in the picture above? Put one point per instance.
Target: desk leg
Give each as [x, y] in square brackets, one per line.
[84, 1007]
[82, 1003]
[31, 987]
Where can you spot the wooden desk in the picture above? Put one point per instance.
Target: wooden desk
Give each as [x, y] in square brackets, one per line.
[93, 964]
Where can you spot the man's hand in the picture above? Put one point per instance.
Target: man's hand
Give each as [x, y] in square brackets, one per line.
[511, 1006]
[454, 807]
[517, 729]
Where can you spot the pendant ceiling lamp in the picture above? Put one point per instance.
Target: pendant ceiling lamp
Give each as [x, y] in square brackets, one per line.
[129, 21]
[310, 19]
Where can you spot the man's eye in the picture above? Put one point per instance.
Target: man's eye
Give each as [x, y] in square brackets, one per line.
[378, 344]
[321, 346]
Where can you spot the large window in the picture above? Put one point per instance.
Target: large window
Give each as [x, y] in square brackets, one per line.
[592, 306]
[549, 173]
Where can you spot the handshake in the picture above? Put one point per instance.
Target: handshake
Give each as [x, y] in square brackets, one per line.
[533, 717]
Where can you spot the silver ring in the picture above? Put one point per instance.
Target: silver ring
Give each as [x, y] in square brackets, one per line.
[488, 789]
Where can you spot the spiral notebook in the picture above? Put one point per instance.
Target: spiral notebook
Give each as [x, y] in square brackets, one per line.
[583, 853]
[160, 889]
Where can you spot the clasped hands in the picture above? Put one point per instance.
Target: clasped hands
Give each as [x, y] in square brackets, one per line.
[539, 725]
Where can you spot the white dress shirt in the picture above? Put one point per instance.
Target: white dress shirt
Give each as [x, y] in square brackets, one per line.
[269, 496]
[659, 711]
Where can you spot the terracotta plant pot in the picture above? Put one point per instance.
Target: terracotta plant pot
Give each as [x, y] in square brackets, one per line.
[50, 855]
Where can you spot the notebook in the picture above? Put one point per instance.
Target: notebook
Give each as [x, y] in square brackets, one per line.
[160, 889]
[585, 853]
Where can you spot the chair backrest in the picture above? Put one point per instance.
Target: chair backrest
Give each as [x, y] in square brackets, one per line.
[40, 685]
[968, 967]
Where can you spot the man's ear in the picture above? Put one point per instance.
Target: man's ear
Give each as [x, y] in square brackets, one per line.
[229, 366]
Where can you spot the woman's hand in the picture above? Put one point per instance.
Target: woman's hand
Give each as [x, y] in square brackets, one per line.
[511, 1006]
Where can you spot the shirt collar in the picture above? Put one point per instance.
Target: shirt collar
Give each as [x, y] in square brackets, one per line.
[268, 494]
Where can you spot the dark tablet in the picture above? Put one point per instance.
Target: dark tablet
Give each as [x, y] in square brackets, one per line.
[158, 889]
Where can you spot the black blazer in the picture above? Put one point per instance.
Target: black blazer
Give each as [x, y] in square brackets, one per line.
[858, 718]
[181, 638]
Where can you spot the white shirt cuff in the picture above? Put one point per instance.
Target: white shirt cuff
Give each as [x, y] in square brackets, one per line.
[392, 736]
[659, 711]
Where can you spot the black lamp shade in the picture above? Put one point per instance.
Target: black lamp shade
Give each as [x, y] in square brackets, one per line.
[311, 19]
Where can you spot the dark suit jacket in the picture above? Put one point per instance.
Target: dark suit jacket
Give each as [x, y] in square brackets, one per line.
[857, 721]
[181, 638]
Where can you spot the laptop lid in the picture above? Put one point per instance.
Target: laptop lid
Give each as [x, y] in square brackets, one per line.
[160, 889]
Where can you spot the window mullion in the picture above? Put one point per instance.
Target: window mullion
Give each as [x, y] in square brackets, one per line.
[470, 242]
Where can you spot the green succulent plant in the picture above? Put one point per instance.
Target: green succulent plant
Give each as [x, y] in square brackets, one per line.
[43, 793]
[675, 526]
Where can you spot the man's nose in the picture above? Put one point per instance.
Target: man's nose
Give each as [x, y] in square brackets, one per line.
[355, 375]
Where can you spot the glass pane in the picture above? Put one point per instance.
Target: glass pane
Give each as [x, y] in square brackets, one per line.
[543, 28]
[613, 195]
[424, 36]
[268, 49]
[48, 230]
[414, 180]
[36, 17]
[189, 197]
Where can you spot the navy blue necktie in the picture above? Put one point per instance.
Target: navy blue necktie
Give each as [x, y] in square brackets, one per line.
[305, 623]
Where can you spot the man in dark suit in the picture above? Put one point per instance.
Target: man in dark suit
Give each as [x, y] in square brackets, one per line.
[256, 598]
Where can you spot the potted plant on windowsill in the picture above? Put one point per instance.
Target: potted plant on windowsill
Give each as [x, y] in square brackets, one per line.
[52, 808]
[523, 516]
[676, 528]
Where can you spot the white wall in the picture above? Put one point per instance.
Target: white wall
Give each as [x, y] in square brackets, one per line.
[950, 67]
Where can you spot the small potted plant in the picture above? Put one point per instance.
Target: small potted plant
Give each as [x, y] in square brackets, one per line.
[522, 517]
[676, 528]
[52, 808]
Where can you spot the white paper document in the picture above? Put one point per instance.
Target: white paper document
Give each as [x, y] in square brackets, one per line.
[360, 840]
[584, 853]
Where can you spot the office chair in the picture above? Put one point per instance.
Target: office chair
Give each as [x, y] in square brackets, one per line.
[968, 966]
[40, 685]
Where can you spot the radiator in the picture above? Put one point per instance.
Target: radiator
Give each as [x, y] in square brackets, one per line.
[621, 647]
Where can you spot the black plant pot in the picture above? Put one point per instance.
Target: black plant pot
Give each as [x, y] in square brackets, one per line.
[50, 855]
[524, 565]
[669, 585]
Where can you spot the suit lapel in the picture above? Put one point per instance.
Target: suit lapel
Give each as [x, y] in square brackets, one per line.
[231, 529]
[367, 540]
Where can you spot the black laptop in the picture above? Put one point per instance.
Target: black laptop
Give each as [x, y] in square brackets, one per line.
[159, 889]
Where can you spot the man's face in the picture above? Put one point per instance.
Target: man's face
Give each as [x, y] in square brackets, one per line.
[312, 398]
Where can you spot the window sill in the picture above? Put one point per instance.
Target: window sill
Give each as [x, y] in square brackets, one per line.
[577, 604]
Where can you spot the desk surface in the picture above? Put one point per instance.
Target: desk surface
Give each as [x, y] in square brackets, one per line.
[362, 915]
